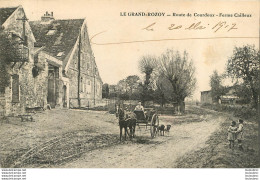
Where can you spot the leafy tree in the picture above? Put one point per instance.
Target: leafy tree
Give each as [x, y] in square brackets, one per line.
[9, 52]
[112, 91]
[128, 88]
[121, 86]
[147, 65]
[244, 64]
[105, 90]
[161, 94]
[180, 73]
[217, 89]
[244, 93]
[132, 83]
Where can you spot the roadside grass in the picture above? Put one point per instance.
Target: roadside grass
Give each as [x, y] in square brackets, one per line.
[217, 153]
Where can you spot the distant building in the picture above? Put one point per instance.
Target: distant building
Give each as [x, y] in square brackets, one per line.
[68, 41]
[228, 98]
[206, 97]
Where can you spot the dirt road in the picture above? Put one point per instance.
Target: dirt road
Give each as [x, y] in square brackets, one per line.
[87, 139]
[188, 133]
[144, 152]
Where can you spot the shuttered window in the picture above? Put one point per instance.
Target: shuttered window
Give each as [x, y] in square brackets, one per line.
[15, 88]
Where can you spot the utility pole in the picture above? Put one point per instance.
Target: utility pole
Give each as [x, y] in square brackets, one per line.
[79, 78]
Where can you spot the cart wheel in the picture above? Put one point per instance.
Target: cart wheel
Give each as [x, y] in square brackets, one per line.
[154, 125]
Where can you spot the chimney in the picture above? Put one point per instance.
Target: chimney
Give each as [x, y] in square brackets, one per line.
[47, 18]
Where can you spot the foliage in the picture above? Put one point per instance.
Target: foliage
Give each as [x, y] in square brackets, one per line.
[147, 65]
[217, 89]
[244, 93]
[121, 86]
[123, 96]
[244, 112]
[8, 53]
[132, 83]
[128, 88]
[162, 94]
[180, 73]
[105, 90]
[112, 91]
[244, 64]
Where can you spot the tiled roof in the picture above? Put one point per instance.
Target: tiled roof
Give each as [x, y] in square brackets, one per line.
[5, 13]
[58, 37]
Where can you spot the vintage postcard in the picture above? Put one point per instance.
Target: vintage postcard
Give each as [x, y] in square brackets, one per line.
[129, 84]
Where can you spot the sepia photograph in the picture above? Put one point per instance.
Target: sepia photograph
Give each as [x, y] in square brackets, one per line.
[129, 84]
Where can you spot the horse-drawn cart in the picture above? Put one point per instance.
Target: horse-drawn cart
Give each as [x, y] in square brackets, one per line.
[146, 119]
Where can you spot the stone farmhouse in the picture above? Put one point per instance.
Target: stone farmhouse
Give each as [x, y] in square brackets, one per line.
[68, 42]
[58, 67]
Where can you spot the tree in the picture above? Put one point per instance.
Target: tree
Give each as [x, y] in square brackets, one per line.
[163, 91]
[121, 86]
[243, 92]
[132, 83]
[105, 90]
[112, 91]
[217, 89]
[128, 88]
[9, 52]
[147, 65]
[244, 64]
[180, 72]
[122, 90]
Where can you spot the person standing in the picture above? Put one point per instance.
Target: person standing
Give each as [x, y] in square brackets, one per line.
[232, 134]
[240, 134]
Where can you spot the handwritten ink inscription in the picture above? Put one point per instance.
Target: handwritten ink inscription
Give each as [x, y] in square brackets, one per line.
[221, 25]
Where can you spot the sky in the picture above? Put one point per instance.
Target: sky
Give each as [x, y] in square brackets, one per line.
[123, 40]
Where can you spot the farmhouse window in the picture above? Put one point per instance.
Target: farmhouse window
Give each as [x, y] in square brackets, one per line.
[15, 88]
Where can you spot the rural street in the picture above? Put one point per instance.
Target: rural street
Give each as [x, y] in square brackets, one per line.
[90, 139]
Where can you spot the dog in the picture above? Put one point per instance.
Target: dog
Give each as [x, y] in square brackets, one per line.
[48, 106]
[167, 130]
[161, 130]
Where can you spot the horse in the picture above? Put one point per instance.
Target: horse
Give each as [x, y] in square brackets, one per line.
[126, 120]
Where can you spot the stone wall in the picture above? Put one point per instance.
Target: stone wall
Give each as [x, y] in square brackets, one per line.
[32, 90]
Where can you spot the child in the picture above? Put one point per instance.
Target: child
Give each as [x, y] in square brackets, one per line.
[232, 134]
[240, 134]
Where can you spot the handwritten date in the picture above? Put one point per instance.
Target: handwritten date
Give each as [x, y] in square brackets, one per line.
[220, 26]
